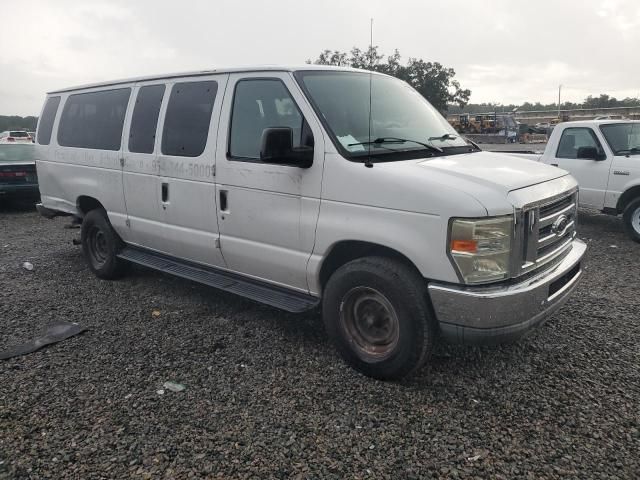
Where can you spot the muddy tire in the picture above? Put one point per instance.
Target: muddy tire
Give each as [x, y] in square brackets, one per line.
[377, 314]
[100, 246]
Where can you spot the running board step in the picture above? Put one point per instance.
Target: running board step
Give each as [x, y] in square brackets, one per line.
[278, 297]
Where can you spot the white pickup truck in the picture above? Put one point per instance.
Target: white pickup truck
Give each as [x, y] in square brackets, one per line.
[301, 187]
[604, 156]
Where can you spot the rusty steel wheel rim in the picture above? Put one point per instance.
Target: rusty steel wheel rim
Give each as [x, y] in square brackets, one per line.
[370, 323]
[98, 249]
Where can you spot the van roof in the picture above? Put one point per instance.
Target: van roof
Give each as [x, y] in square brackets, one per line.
[198, 73]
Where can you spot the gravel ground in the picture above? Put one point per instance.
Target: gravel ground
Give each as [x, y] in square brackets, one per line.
[267, 397]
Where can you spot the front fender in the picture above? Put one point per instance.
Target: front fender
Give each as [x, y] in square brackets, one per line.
[419, 237]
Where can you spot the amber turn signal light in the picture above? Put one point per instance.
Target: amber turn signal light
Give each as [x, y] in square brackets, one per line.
[466, 246]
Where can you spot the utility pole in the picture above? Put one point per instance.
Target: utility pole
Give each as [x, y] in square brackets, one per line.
[371, 45]
[559, 93]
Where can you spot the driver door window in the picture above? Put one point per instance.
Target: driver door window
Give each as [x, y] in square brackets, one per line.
[592, 176]
[573, 139]
[259, 104]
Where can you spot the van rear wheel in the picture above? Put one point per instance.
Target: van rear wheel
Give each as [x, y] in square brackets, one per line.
[101, 245]
[375, 310]
[631, 219]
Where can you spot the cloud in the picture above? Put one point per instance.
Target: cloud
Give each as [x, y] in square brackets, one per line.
[623, 16]
[506, 84]
[516, 84]
[504, 51]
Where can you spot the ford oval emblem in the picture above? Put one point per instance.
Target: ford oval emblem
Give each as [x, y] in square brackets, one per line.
[559, 227]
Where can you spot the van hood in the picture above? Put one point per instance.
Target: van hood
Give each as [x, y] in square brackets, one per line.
[498, 171]
[463, 185]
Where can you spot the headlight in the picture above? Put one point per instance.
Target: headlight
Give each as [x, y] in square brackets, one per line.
[481, 249]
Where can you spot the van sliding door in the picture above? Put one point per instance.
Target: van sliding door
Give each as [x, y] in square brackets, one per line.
[140, 169]
[187, 169]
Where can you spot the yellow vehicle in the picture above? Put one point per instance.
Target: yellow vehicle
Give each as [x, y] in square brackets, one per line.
[465, 123]
[490, 123]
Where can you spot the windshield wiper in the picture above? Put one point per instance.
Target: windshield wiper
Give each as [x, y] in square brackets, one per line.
[446, 136]
[391, 140]
[628, 151]
[449, 136]
[472, 143]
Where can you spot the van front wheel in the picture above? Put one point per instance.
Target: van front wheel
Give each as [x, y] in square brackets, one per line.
[375, 310]
[100, 245]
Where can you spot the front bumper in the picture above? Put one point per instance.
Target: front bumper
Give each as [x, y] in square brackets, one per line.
[499, 314]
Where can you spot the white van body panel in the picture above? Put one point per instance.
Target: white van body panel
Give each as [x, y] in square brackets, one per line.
[189, 222]
[141, 185]
[268, 229]
[69, 173]
[222, 212]
[281, 221]
[407, 205]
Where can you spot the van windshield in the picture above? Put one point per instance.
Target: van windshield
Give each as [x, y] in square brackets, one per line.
[398, 111]
[623, 138]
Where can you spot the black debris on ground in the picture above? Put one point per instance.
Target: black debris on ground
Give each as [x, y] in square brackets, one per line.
[55, 333]
[266, 397]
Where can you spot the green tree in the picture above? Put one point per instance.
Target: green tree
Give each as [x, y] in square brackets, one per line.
[15, 122]
[434, 81]
[600, 101]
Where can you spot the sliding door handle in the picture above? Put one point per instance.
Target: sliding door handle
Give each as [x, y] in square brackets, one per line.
[165, 192]
[224, 203]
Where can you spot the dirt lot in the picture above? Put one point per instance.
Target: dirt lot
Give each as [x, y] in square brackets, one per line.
[267, 397]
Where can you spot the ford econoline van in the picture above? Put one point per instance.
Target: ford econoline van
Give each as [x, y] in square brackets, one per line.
[314, 187]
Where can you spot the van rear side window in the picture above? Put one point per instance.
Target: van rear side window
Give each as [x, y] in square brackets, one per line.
[94, 120]
[186, 124]
[142, 134]
[45, 124]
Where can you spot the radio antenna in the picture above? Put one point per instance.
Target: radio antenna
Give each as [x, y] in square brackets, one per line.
[368, 163]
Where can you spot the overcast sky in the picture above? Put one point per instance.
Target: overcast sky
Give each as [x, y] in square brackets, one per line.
[505, 51]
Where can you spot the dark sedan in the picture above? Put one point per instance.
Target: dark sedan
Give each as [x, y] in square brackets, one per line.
[18, 177]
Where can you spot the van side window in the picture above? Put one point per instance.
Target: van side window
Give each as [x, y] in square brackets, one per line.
[574, 138]
[186, 125]
[94, 120]
[142, 134]
[45, 124]
[260, 104]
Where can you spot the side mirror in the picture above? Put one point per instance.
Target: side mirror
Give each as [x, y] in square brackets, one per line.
[590, 153]
[276, 146]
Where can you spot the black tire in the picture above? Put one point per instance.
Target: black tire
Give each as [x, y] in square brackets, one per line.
[631, 219]
[376, 312]
[101, 244]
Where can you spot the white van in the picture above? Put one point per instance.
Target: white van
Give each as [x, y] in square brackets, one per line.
[314, 185]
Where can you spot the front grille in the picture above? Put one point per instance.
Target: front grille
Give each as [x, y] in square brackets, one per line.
[547, 231]
[555, 207]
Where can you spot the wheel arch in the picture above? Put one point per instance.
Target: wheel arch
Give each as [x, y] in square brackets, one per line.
[346, 251]
[627, 197]
[86, 203]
